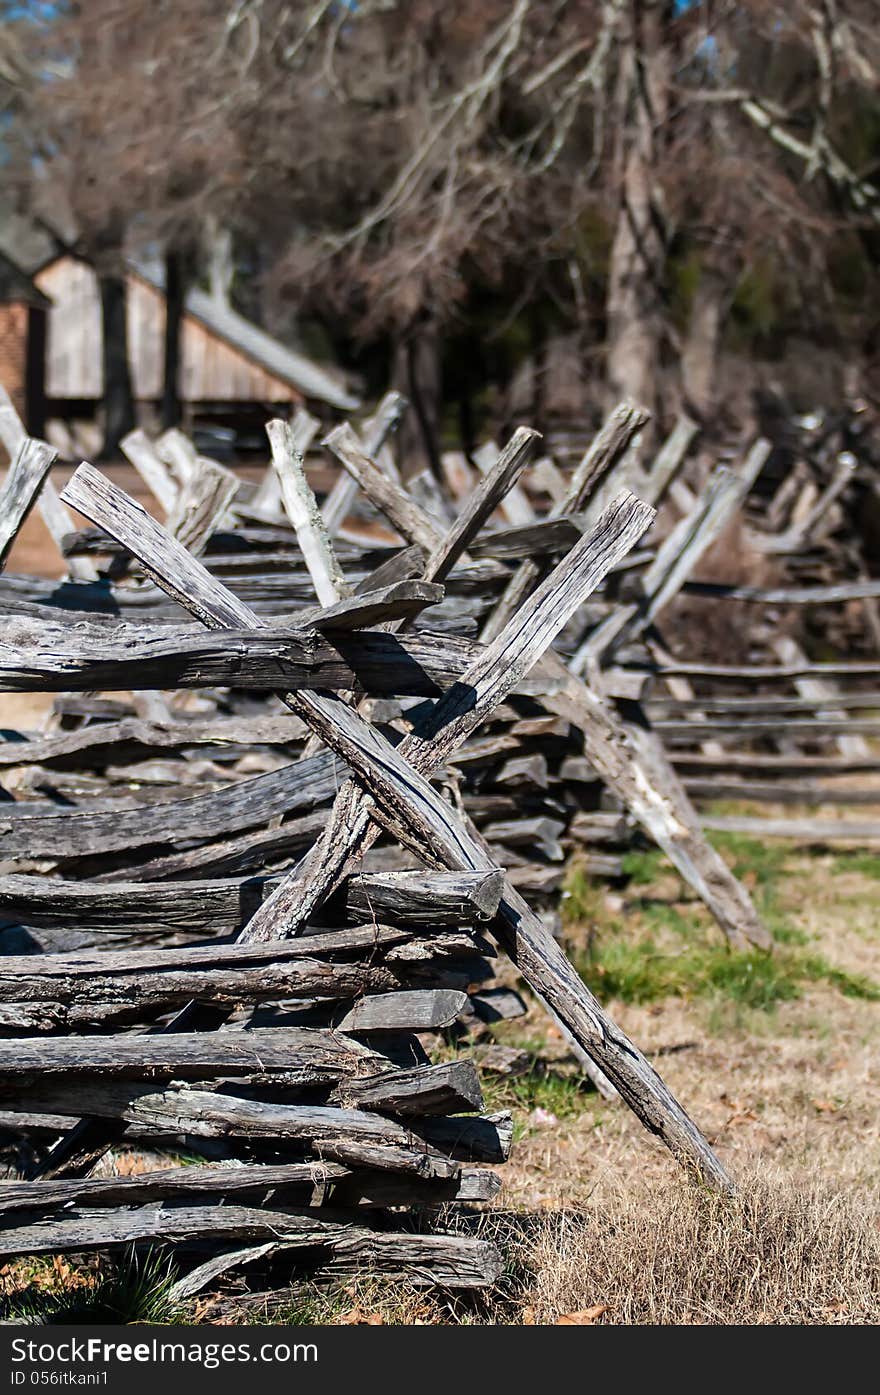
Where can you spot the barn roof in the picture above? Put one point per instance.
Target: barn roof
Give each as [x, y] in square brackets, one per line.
[16, 286]
[310, 378]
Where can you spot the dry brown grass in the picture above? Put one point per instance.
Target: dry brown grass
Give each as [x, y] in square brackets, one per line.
[776, 1254]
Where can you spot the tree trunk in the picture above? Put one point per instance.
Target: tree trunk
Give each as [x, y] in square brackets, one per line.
[221, 262]
[699, 360]
[634, 304]
[417, 374]
[119, 414]
[175, 296]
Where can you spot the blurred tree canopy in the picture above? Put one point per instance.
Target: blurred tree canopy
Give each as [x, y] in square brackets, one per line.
[440, 191]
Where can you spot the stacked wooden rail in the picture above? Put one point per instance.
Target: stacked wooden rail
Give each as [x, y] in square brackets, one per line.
[258, 861]
[197, 984]
[775, 725]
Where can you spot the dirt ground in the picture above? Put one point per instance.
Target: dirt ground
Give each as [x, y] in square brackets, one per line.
[792, 1088]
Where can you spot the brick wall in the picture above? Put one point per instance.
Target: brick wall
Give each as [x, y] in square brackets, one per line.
[13, 354]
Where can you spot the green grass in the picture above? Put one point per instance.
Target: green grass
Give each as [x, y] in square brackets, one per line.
[644, 866]
[582, 898]
[136, 1289]
[866, 864]
[640, 971]
[659, 949]
[765, 861]
[540, 1087]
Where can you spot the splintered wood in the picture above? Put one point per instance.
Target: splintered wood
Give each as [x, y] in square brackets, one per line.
[317, 787]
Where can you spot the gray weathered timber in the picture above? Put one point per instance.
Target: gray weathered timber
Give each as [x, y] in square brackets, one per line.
[375, 433]
[412, 899]
[136, 738]
[549, 537]
[452, 1261]
[238, 856]
[402, 599]
[759, 673]
[764, 705]
[55, 658]
[675, 560]
[411, 521]
[31, 464]
[667, 461]
[451, 1087]
[777, 791]
[799, 830]
[302, 510]
[351, 1136]
[65, 998]
[807, 728]
[537, 955]
[407, 562]
[515, 508]
[76, 971]
[59, 524]
[267, 501]
[766, 762]
[786, 595]
[54, 515]
[202, 504]
[68, 967]
[152, 469]
[632, 763]
[280, 595]
[418, 1010]
[469, 1137]
[493, 487]
[788, 650]
[631, 759]
[218, 1183]
[610, 445]
[482, 688]
[304, 1055]
[242, 805]
[390, 1189]
[410, 808]
[170, 1183]
[94, 495]
[423, 897]
[539, 832]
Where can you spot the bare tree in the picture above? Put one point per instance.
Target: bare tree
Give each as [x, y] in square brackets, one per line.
[397, 162]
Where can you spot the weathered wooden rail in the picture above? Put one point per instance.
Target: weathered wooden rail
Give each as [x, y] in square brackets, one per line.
[474, 697]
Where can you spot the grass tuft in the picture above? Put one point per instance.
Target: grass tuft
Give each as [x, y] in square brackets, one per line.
[639, 971]
[774, 1254]
[661, 948]
[865, 864]
[541, 1087]
[135, 1289]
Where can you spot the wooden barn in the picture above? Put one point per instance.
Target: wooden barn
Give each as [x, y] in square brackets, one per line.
[231, 372]
[23, 315]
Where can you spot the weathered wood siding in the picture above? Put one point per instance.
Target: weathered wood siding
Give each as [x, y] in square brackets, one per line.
[212, 369]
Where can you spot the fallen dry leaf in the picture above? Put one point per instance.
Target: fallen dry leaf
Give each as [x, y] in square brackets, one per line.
[825, 1106]
[356, 1317]
[584, 1318]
